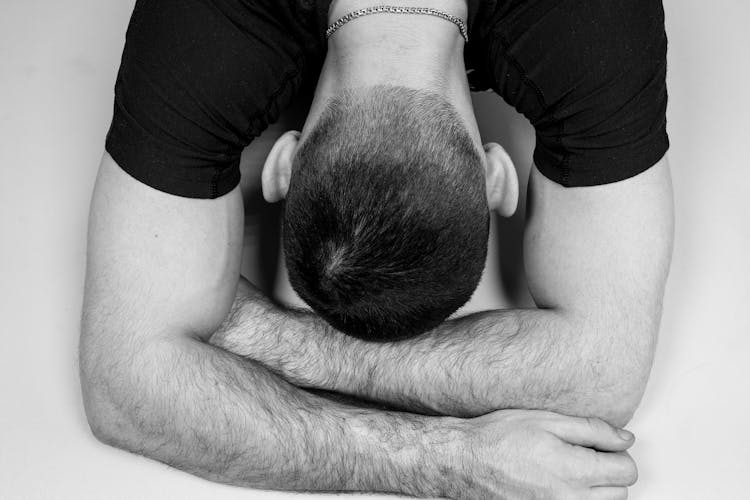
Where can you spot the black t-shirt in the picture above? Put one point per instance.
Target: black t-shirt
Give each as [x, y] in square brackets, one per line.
[199, 79]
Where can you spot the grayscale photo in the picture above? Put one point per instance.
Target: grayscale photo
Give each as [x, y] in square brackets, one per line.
[455, 249]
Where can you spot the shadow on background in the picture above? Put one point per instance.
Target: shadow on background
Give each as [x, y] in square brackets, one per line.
[500, 123]
[262, 235]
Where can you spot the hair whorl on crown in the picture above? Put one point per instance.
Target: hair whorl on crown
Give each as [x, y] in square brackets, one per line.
[386, 219]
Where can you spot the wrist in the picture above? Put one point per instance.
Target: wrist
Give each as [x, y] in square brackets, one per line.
[409, 453]
[445, 444]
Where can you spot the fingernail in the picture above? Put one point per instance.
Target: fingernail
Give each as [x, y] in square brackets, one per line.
[625, 435]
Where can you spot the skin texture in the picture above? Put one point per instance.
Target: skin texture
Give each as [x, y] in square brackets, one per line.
[153, 386]
[163, 278]
[160, 281]
[596, 270]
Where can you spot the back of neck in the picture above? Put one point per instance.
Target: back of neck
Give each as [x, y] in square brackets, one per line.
[416, 51]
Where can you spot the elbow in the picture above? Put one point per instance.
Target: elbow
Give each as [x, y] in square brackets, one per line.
[102, 391]
[614, 401]
[100, 428]
[618, 380]
[620, 391]
[99, 415]
[611, 366]
[619, 414]
[100, 411]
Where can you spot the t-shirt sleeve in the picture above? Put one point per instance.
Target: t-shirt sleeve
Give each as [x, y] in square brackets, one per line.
[198, 80]
[591, 77]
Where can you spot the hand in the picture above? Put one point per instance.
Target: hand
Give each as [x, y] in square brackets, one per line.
[535, 455]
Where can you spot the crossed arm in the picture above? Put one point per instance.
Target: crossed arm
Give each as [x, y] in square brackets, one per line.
[162, 277]
[597, 260]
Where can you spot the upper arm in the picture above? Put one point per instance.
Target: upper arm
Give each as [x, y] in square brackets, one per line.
[602, 247]
[159, 266]
[166, 218]
[600, 256]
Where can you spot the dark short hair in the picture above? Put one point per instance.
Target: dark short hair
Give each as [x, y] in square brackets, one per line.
[386, 219]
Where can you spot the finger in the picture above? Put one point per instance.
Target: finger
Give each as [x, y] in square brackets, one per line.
[592, 433]
[607, 469]
[608, 493]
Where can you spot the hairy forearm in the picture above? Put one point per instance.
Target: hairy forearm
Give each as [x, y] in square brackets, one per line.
[531, 359]
[534, 359]
[226, 419]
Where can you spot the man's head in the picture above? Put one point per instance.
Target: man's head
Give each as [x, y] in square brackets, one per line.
[387, 219]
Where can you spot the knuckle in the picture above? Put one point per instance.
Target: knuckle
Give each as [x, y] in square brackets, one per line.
[576, 475]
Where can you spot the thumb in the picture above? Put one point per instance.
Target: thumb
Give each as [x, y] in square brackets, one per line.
[592, 433]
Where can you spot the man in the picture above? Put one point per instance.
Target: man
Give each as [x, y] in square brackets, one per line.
[507, 404]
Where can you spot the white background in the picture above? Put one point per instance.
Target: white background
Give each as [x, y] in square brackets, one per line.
[58, 62]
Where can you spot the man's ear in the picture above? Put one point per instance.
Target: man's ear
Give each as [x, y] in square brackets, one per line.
[278, 167]
[502, 180]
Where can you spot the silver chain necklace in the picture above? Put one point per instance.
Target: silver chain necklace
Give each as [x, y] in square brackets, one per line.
[390, 9]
